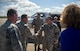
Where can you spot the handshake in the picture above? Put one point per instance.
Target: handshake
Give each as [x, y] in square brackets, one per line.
[36, 35]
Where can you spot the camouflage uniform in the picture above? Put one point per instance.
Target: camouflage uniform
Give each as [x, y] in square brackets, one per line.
[9, 37]
[51, 34]
[25, 33]
[37, 24]
[57, 46]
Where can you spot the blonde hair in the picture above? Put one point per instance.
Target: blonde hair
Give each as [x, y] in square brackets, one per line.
[71, 16]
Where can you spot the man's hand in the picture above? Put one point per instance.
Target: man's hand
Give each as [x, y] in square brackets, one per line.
[56, 42]
[36, 35]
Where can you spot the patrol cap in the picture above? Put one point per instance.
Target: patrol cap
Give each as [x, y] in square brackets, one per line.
[49, 17]
[38, 13]
[23, 16]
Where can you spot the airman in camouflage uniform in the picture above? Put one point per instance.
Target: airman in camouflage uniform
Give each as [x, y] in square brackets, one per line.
[37, 23]
[56, 21]
[9, 33]
[24, 29]
[51, 34]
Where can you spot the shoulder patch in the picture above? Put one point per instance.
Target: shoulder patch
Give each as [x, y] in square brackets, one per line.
[12, 25]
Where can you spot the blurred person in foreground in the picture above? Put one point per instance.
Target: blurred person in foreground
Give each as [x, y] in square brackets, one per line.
[70, 37]
[25, 31]
[37, 23]
[51, 34]
[9, 33]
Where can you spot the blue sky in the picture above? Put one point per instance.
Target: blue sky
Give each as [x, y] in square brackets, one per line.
[31, 6]
[49, 3]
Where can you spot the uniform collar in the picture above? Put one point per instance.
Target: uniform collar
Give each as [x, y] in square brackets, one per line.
[38, 18]
[23, 23]
[8, 22]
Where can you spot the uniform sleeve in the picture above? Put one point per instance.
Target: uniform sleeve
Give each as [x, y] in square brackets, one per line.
[59, 25]
[57, 32]
[28, 32]
[15, 42]
[41, 29]
[42, 22]
[33, 22]
[2, 40]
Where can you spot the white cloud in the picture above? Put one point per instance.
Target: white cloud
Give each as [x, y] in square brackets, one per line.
[22, 6]
[4, 0]
[28, 7]
[14, 6]
[39, 10]
[57, 9]
[64, 5]
[28, 4]
[12, 0]
[47, 10]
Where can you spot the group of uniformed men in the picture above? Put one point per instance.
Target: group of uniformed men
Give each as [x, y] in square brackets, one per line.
[14, 36]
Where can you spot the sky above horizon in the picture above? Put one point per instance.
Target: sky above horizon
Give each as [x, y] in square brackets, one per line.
[31, 6]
